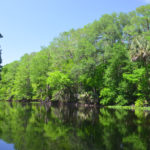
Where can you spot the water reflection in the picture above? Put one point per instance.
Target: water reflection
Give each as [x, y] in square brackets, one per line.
[42, 127]
[6, 146]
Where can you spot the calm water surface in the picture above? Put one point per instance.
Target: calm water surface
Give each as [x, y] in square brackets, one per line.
[45, 127]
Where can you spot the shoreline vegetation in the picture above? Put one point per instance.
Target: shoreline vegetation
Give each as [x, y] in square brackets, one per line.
[105, 63]
[76, 104]
[129, 108]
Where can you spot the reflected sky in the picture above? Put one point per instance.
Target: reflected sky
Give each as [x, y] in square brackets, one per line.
[6, 146]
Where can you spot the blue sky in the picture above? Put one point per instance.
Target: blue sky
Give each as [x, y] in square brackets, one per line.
[29, 24]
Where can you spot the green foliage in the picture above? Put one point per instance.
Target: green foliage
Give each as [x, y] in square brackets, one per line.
[58, 80]
[139, 80]
[113, 75]
[139, 103]
[107, 95]
[39, 68]
[8, 80]
[120, 100]
[22, 83]
[106, 62]
[136, 76]
[0, 63]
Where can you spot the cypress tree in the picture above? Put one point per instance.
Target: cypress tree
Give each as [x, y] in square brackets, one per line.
[0, 55]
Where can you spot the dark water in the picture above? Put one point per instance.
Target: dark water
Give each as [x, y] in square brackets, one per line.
[42, 127]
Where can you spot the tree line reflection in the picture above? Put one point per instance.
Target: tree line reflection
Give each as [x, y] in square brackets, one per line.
[42, 127]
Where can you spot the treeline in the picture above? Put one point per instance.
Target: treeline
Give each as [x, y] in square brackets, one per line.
[105, 62]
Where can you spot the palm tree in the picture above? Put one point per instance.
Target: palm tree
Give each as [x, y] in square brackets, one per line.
[140, 49]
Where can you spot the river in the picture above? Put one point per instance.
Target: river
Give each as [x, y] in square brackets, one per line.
[35, 126]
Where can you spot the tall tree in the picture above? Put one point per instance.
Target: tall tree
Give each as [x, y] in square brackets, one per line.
[0, 55]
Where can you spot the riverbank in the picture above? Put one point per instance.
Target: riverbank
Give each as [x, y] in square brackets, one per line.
[129, 107]
[77, 104]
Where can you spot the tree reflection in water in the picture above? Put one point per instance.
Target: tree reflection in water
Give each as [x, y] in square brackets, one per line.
[40, 126]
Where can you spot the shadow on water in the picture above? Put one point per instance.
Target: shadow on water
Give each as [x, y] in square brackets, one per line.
[29, 126]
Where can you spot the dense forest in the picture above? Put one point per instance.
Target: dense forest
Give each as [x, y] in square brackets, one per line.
[106, 62]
